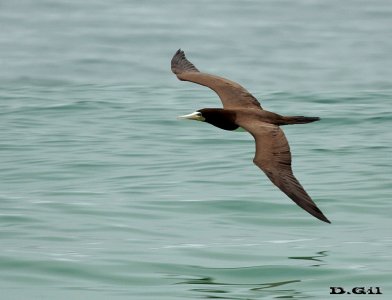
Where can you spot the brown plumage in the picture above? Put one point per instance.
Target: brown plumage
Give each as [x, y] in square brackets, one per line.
[241, 109]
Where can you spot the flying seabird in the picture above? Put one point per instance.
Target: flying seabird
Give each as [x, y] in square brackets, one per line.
[241, 109]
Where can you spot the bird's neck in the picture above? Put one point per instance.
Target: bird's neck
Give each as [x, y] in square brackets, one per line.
[223, 119]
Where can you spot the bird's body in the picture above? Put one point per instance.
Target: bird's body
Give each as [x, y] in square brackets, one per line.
[241, 109]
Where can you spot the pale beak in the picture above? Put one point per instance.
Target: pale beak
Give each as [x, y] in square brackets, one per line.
[193, 116]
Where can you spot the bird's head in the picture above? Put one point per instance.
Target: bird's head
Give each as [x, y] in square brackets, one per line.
[218, 117]
[196, 116]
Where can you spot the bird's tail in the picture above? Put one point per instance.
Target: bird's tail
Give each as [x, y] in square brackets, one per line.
[298, 120]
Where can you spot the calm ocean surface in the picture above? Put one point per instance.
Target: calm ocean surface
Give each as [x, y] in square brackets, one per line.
[104, 194]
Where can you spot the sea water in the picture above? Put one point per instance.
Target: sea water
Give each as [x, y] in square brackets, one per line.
[104, 194]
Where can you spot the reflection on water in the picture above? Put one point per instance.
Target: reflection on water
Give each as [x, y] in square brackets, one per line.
[312, 258]
[214, 290]
[223, 285]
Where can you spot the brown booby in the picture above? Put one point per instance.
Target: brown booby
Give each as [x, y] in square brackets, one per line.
[241, 109]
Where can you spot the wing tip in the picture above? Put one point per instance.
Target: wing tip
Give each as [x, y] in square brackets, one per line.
[178, 53]
[180, 64]
[316, 212]
[323, 218]
[311, 208]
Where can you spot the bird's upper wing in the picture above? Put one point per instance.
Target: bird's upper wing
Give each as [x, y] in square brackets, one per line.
[231, 93]
[273, 157]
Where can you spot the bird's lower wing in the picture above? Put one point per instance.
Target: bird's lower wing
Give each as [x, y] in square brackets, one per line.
[273, 157]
